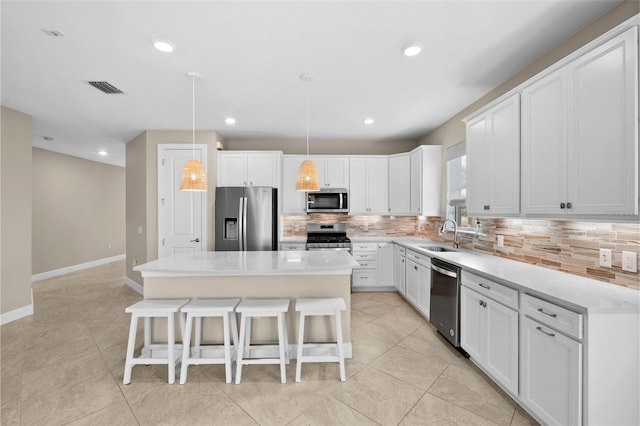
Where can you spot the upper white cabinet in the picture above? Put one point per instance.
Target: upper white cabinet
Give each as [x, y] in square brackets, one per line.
[293, 202]
[238, 168]
[368, 179]
[399, 184]
[425, 181]
[333, 172]
[493, 160]
[580, 135]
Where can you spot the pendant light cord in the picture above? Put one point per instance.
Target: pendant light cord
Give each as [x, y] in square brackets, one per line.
[193, 116]
[307, 120]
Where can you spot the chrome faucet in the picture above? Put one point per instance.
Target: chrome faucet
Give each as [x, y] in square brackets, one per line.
[455, 231]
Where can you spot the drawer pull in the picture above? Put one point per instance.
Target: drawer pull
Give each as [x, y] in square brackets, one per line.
[485, 286]
[483, 304]
[415, 267]
[548, 334]
[542, 311]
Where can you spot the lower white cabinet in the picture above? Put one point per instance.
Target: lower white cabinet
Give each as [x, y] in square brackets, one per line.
[399, 268]
[489, 334]
[366, 254]
[385, 264]
[418, 281]
[293, 246]
[550, 373]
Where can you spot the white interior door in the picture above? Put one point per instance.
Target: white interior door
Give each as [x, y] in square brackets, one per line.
[181, 214]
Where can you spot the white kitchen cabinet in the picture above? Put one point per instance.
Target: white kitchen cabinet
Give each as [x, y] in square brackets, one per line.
[333, 172]
[418, 281]
[550, 373]
[365, 276]
[400, 184]
[368, 185]
[293, 246]
[293, 202]
[579, 135]
[255, 168]
[385, 265]
[493, 160]
[399, 268]
[489, 334]
[425, 180]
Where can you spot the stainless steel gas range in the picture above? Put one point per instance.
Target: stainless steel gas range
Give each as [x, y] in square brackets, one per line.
[328, 237]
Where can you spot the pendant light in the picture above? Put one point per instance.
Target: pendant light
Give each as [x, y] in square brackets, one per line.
[194, 177]
[307, 179]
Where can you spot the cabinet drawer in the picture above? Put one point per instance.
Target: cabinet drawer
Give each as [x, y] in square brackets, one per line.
[366, 256]
[364, 247]
[498, 292]
[562, 319]
[419, 257]
[292, 246]
[364, 277]
[367, 264]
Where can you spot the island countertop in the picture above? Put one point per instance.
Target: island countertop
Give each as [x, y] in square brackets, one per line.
[251, 263]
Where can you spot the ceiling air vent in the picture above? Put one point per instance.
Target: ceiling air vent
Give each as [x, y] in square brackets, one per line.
[105, 87]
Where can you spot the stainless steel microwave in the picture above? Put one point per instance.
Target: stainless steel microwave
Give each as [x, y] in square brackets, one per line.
[329, 200]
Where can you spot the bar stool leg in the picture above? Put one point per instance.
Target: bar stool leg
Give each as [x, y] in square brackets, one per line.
[198, 337]
[241, 344]
[128, 365]
[300, 343]
[186, 349]
[281, 343]
[227, 347]
[146, 347]
[171, 339]
[340, 345]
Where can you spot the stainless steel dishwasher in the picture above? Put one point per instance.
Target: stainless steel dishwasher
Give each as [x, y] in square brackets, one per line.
[445, 300]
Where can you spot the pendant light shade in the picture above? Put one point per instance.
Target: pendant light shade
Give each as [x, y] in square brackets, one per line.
[307, 179]
[194, 177]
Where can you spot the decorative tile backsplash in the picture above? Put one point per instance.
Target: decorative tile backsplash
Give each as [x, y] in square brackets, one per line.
[567, 246]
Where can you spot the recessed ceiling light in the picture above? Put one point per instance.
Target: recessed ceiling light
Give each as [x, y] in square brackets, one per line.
[103, 152]
[412, 50]
[163, 46]
[230, 121]
[368, 121]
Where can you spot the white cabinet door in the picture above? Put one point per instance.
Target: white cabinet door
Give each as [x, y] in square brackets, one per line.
[399, 184]
[471, 323]
[550, 373]
[400, 271]
[262, 170]
[424, 297]
[385, 265]
[368, 179]
[425, 181]
[493, 160]
[413, 282]
[544, 145]
[415, 183]
[293, 201]
[358, 186]
[603, 151]
[501, 353]
[378, 190]
[337, 172]
[232, 169]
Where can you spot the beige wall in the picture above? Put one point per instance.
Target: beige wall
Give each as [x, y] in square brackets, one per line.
[78, 211]
[142, 191]
[324, 147]
[453, 130]
[15, 210]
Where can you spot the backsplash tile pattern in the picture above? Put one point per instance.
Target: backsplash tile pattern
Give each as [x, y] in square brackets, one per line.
[563, 245]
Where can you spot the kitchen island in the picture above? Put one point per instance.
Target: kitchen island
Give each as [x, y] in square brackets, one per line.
[257, 274]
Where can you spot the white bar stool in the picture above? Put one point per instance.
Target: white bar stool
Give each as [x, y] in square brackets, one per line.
[148, 309]
[209, 308]
[321, 307]
[250, 308]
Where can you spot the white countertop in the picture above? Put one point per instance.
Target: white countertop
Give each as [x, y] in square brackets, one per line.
[580, 293]
[234, 263]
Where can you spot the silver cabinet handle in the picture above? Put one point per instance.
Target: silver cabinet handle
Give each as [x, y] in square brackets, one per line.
[485, 286]
[551, 314]
[197, 240]
[483, 304]
[542, 331]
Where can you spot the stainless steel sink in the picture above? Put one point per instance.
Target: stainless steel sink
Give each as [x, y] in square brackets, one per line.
[437, 248]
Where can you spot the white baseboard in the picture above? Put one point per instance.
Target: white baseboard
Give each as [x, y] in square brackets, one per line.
[74, 268]
[16, 314]
[134, 286]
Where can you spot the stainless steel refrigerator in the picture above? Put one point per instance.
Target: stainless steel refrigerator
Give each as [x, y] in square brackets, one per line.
[246, 218]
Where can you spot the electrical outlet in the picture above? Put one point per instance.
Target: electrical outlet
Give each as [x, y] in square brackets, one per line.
[140, 229]
[297, 227]
[629, 261]
[500, 241]
[109, 246]
[366, 227]
[605, 258]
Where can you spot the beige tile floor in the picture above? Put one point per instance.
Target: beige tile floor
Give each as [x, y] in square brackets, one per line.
[64, 365]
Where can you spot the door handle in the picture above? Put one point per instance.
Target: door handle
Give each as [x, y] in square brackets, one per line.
[542, 331]
[197, 240]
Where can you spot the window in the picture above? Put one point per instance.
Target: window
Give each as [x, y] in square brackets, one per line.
[457, 189]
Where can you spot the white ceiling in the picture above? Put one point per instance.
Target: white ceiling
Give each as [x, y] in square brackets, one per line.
[250, 55]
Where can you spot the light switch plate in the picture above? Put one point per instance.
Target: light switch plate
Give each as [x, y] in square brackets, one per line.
[605, 258]
[629, 261]
[500, 241]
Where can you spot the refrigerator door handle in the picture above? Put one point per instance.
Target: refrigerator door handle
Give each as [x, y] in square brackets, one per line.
[244, 225]
[241, 221]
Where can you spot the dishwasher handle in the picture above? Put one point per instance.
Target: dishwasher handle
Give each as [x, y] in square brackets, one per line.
[451, 274]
